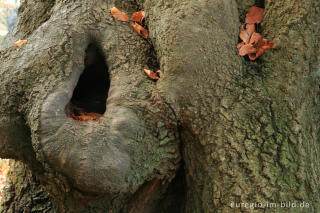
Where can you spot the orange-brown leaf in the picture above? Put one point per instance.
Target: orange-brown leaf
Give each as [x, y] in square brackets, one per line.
[141, 31]
[250, 28]
[255, 39]
[252, 56]
[18, 43]
[117, 14]
[247, 49]
[255, 15]
[253, 45]
[244, 35]
[240, 45]
[267, 45]
[262, 48]
[138, 16]
[151, 74]
[85, 116]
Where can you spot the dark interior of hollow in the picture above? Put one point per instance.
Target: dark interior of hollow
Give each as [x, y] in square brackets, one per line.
[91, 92]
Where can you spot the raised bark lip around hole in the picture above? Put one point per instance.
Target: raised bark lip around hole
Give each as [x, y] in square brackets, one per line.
[89, 97]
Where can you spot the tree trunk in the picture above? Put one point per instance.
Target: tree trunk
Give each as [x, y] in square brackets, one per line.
[23, 192]
[216, 132]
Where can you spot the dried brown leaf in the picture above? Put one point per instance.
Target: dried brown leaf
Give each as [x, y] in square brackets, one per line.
[250, 28]
[247, 49]
[151, 74]
[141, 31]
[244, 35]
[255, 15]
[80, 114]
[240, 45]
[262, 48]
[138, 16]
[252, 56]
[253, 45]
[85, 116]
[255, 39]
[268, 45]
[18, 43]
[118, 15]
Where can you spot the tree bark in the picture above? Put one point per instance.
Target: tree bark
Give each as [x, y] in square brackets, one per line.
[23, 192]
[242, 133]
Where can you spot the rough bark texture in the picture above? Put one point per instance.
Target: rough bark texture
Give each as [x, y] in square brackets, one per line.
[24, 193]
[244, 132]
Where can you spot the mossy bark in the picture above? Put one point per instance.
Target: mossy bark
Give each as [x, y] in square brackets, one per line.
[245, 133]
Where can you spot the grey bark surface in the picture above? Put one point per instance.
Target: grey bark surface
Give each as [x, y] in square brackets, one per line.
[240, 132]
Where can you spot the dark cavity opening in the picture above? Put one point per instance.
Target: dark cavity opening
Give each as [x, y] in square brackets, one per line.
[259, 3]
[91, 92]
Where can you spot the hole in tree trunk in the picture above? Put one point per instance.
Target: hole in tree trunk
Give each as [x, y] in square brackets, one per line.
[89, 96]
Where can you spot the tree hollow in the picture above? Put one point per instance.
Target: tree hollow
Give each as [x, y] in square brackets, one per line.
[91, 92]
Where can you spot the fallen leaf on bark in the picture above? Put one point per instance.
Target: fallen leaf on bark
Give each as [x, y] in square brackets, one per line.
[244, 35]
[138, 16]
[18, 43]
[118, 15]
[151, 74]
[253, 44]
[85, 116]
[250, 28]
[254, 16]
[262, 48]
[141, 31]
[240, 45]
[255, 39]
[247, 49]
[79, 114]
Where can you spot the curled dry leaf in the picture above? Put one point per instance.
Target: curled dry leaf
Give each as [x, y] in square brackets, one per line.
[141, 31]
[240, 45]
[117, 14]
[85, 116]
[262, 48]
[18, 43]
[267, 45]
[255, 39]
[138, 16]
[250, 28]
[247, 49]
[151, 74]
[254, 16]
[79, 114]
[244, 35]
[253, 44]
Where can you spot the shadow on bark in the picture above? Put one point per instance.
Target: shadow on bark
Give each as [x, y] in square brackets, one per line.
[158, 197]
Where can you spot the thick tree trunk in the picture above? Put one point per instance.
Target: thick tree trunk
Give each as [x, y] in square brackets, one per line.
[23, 193]
[246, 133]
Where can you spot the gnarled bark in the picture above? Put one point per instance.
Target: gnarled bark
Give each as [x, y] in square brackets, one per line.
[23, 192]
